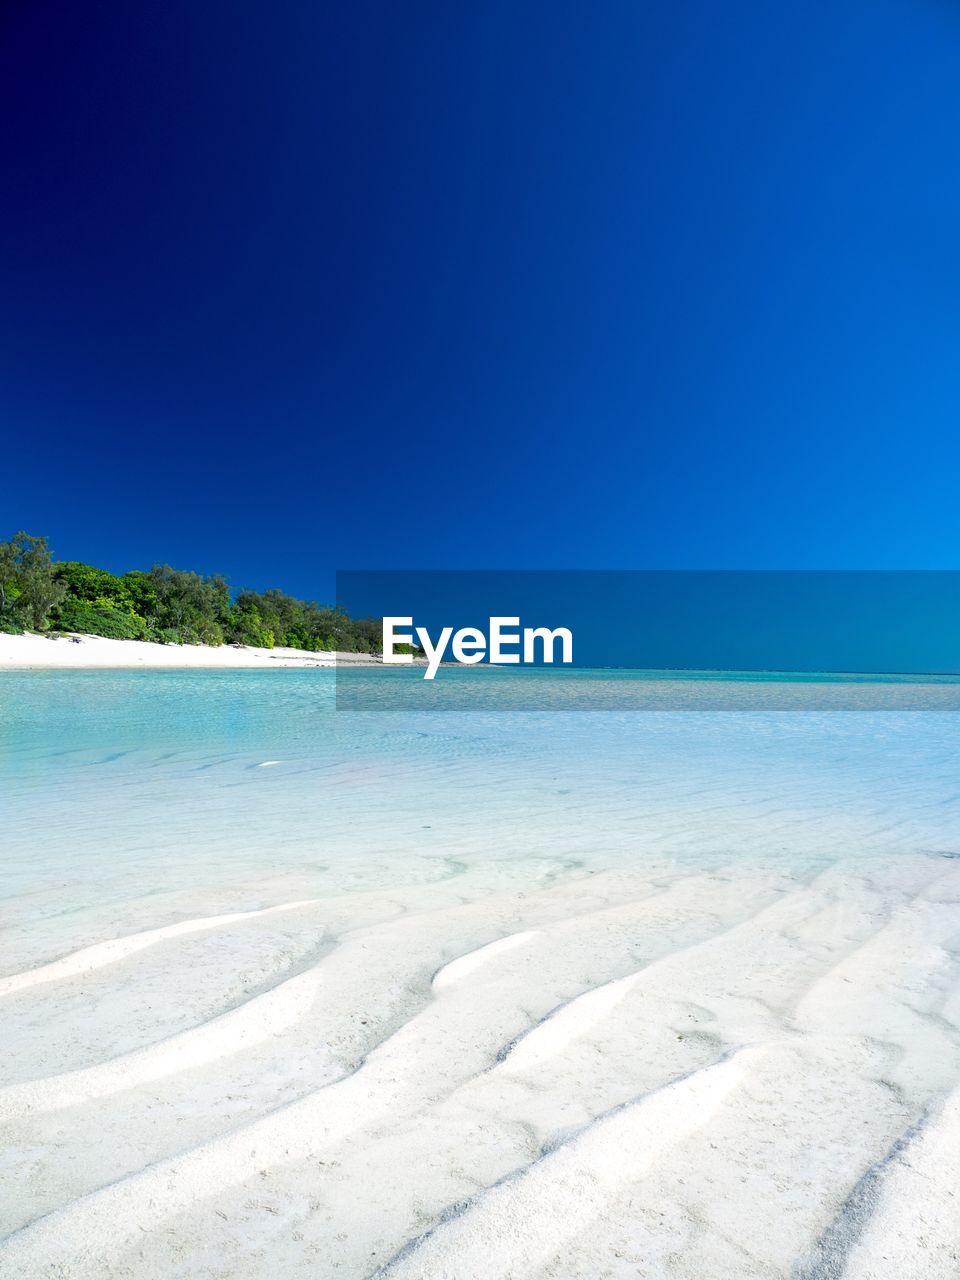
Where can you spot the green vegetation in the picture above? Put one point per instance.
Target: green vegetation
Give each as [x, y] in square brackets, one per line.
[172, 606]
[29, 587]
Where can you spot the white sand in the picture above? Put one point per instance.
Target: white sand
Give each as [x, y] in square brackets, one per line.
[738, 1073]
[31, 652]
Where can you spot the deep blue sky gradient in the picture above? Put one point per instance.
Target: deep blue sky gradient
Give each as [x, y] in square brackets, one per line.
[291, 287]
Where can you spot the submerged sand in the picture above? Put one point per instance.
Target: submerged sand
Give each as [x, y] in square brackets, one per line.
[734, 1072]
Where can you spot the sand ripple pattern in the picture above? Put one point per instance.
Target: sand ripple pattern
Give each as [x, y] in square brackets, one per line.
[665, 1071]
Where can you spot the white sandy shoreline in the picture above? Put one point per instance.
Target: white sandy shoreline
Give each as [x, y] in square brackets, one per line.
[32, 652]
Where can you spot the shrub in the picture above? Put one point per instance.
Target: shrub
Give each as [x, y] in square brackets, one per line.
[100, 620]
[212, 633]
[86, 582]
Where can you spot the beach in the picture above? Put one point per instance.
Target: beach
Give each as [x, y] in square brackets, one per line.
[35, 652]
[288, 991]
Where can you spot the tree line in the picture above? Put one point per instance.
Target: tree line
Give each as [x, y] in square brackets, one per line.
[172, 606]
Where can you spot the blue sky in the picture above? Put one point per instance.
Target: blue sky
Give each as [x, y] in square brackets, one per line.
[296, 287]
[733, 621]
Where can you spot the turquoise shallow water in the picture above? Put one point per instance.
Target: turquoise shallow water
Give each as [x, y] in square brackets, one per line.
[125, 786]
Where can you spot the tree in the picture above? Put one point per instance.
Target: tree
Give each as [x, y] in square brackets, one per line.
[172, 605]
[142, 592]
[85, 582]
[28, 569]
[195, 607]
[8, 573]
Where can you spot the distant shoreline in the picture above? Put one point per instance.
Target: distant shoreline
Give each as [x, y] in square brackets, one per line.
[34, 652]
